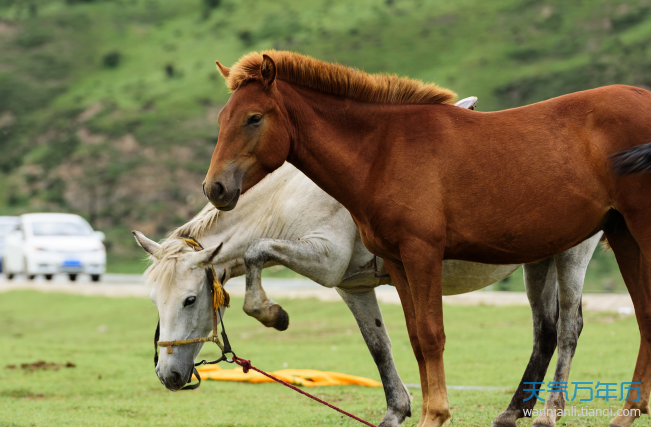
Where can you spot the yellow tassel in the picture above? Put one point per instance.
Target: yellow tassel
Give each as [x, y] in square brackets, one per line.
[220, 296]
[192, 243]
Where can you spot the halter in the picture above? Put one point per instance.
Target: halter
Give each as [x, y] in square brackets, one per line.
[219, 298]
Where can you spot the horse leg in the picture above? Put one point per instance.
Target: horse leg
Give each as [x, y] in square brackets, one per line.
[540, 284]
[634, 264]
[366, 310]
[423, 267]
[571, 266]
[399, 278]
[322, 260]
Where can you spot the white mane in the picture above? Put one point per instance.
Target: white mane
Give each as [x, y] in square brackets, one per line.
[163, 262]
[198, 226]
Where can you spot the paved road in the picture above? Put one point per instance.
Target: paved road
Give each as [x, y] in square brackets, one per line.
[126, 285]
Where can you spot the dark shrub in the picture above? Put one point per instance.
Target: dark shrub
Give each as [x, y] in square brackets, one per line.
[112, 59]
[631, 19]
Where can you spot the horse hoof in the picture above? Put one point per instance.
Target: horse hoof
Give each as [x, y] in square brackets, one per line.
[506, 419]
[282, 319]
[504, 422]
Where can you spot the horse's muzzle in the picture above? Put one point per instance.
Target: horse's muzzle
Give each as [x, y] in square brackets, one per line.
[175, 380]
[221, 197]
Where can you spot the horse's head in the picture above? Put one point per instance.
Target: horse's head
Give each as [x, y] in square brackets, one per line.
[253, 137]
[181, 290]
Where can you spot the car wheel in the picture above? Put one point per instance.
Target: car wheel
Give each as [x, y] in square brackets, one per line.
[31, 277]
[10, 276]
[48, 277]
[72, 277]
[94, 277]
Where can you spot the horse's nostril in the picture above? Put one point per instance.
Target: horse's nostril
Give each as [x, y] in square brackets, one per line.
[203, 187]
[219, 190]
[177, 378]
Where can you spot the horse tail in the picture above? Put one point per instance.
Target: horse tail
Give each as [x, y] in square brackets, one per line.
[632, 160]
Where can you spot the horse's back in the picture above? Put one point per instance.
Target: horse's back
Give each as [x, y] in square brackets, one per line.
[539, 173]
[611, 98]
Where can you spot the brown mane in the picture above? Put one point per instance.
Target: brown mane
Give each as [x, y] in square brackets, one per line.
[339, 80]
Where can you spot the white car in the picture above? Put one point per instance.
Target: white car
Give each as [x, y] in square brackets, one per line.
[51, 243]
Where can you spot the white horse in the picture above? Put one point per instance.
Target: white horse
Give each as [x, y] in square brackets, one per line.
[286, 219]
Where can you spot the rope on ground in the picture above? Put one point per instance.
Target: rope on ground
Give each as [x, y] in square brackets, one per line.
[246, 365]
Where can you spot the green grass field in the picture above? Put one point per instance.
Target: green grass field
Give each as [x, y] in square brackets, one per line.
[113, 383]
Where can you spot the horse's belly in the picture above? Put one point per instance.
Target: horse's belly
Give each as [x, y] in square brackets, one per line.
[460, 277]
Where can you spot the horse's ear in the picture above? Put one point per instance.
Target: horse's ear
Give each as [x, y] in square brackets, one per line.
[223, 70]
[206, 257]
[470, 103]
[268, 71]
[148, 245]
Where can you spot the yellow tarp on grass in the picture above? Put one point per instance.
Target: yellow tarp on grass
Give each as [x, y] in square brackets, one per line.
[301, 377]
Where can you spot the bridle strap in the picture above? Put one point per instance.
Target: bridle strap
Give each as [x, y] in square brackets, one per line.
[156, 336]
[193, 386]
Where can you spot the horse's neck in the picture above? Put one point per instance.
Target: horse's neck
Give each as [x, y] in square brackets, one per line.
[254, 217]
[335, 140]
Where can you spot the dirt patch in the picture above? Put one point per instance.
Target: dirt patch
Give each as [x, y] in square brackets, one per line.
[90, 112]
[22, 394]
[41, 365]
[6, 28]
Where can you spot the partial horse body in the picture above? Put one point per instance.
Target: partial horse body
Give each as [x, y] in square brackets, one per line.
[286, 219]
[426, 182]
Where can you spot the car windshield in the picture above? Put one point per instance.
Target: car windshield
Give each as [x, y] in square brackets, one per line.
[59, 229]
[6, 228]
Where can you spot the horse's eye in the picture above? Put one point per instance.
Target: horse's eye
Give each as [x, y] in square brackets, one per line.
[189, 301]
[255, 119]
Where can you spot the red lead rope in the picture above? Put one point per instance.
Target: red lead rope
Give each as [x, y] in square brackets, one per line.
[246, 365]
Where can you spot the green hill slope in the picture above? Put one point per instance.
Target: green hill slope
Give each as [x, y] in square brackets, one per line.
[108, 108]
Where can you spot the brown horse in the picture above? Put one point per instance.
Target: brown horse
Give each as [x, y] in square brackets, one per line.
[425, 181]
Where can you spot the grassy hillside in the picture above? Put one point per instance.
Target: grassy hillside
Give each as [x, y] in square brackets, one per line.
[108, 108]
